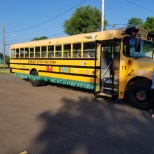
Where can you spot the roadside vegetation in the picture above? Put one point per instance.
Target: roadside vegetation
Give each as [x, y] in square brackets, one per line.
[6, 70]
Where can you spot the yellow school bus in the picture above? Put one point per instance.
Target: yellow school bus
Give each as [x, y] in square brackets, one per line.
[112, 63]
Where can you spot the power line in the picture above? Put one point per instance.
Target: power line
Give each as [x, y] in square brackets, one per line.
[31, 38]
[139, 6]
[48, 19]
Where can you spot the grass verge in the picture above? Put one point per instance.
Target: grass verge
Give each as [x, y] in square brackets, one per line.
[5, 71]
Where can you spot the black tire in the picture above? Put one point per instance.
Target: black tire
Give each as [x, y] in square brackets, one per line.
[35, 83]
[44, 83]
[140, 95]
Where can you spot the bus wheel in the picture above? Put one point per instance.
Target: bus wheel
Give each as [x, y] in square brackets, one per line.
[35, 83]
[140, 95]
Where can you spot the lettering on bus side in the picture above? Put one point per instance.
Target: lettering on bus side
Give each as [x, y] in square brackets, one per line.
[41, 61]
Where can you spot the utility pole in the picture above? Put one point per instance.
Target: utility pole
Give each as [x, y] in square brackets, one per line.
[3, 38]
[102, 25]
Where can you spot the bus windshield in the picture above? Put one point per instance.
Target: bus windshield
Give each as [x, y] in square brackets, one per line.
[129, 48]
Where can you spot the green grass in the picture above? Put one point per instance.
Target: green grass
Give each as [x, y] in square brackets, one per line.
[2, 65]
[6, 70]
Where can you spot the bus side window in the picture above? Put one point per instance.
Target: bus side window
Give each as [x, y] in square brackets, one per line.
[77, 50]
[13, 53]
[51, 51]
[77, 55]
[67, 50]
[50, 55]
[88, 55]
[68, 55]
[58, 54]
[89, 50]
[17, 53]
[26, 52]
[44, 51]
[31, 52]
[21, 53]
[37, 52]
[58, 51]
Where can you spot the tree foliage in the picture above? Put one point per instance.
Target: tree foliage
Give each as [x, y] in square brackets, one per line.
[1, 55]
[134, 21]
[149, 24]
[7, 60]
[85, 19]
[40, 38]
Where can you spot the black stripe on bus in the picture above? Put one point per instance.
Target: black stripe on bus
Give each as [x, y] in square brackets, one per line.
[73, 74]
[74, 66]
[85, 75]
[20, 68]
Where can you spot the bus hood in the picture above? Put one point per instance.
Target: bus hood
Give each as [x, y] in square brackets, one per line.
[143, 67]
[144, 63]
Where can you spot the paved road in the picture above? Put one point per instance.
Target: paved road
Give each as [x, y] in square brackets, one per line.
[54, 120]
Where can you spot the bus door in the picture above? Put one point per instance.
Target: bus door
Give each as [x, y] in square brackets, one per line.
[109, 65]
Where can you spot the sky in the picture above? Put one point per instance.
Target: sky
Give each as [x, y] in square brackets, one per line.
[25, 20]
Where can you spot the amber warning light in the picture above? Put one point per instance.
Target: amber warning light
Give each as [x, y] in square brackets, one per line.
[129, 62]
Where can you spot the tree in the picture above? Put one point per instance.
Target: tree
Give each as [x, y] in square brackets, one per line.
[1, 55]
[134, 21]
[85, 19]
[40, 38]
[149, 24]
[7, 61]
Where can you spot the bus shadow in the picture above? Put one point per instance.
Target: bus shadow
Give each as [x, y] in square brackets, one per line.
[72, 88]
[85, 126]
[113, 100]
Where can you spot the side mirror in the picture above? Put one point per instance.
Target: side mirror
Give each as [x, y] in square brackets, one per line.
[137, 45]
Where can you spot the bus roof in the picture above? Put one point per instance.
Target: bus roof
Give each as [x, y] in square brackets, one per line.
[84, 37]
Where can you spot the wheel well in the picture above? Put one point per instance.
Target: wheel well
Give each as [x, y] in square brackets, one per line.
[33, 70]
[137, 79]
